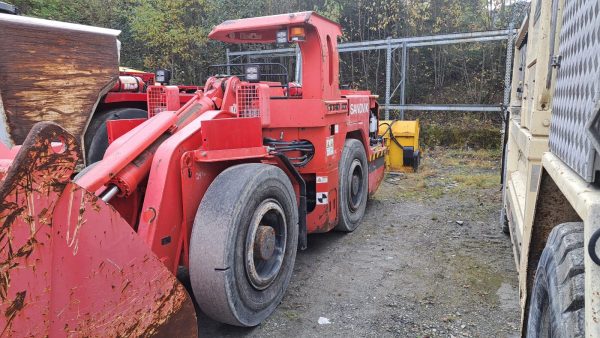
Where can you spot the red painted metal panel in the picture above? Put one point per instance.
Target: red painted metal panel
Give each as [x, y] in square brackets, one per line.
[230, 154]
[376, 174]
[118, 128]
[105, 280]
[232, 133]
[162, 219]
[118, 97]
[298, 113]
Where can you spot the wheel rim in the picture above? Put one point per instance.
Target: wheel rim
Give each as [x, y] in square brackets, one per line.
[265, 244]
[355, 185]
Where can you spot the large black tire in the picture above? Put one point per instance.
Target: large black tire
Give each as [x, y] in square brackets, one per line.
[353, 186]
[234, 279]
[96, 135]
[557, 299]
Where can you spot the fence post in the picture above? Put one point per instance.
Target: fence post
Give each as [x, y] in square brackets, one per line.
[509, 58]
[403, 86]
[227, 61]
[388, 76]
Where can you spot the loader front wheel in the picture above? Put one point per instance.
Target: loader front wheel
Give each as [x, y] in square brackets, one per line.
[243, 244]
[353, 187]
[557, 297]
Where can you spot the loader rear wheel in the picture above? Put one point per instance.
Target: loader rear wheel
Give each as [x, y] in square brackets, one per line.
[96, 135]
[557, 298]
[353, 187]
[243, 244]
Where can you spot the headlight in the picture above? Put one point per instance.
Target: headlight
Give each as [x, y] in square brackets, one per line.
[163, 76]
[252, 73]
[282, 36]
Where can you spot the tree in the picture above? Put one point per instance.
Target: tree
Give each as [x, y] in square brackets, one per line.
[173, 34]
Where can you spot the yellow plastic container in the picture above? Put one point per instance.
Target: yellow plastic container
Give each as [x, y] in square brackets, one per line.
[402, 140]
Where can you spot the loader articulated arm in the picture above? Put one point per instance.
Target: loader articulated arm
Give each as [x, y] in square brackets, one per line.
[128, 160]
[143, 171]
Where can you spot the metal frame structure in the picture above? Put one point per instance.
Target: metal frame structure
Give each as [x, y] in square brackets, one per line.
[404, 44]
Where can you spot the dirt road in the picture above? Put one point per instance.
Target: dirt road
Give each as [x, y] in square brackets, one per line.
[429, 260]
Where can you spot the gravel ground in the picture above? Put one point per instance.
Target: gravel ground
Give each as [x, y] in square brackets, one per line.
[429, 260]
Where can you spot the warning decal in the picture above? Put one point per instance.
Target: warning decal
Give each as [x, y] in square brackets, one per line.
[329, 146]
[322, 197]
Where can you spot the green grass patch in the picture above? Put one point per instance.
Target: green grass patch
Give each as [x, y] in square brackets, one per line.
[446, 172]
[480, 181]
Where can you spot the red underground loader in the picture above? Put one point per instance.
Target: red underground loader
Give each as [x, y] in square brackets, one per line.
[228, 186]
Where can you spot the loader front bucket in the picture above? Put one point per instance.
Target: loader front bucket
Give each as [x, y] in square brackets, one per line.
[69, 264]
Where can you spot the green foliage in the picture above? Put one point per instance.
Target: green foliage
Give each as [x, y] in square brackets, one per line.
[92, 12]
[173, 34]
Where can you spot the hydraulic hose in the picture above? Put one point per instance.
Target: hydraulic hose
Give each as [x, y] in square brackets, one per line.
[389, 131]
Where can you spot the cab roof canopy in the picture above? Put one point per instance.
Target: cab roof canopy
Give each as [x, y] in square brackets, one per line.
[264, 29]
[318, 46]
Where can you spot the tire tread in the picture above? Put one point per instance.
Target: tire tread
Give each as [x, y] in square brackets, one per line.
[352, 147]
[213, 242]
[562, 259]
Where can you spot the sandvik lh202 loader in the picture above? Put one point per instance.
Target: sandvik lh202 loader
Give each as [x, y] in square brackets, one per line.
[229, 186]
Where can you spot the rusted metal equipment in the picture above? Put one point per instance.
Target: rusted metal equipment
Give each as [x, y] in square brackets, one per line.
[47, 74]
[69, 263]
[229, 186]
[68, 74]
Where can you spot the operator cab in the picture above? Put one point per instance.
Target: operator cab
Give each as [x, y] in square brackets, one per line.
[316, 37]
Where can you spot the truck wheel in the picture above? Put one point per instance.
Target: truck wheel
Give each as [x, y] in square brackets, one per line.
[243, 244]
[557, 298]
[96, 136]
[353, 187]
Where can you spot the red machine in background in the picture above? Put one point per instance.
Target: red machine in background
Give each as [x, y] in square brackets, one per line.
[134, 95]
[228, 186]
